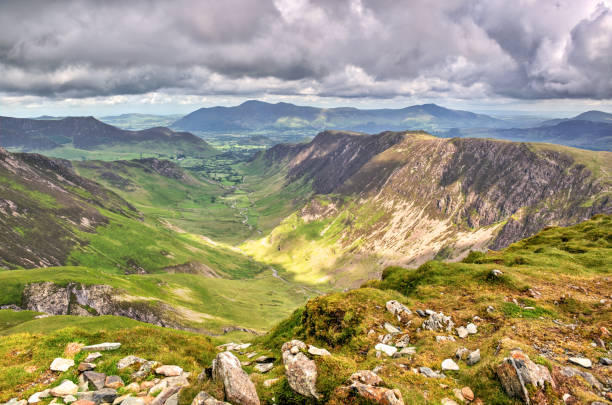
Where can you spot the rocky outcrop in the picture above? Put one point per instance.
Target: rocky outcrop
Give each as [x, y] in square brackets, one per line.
[301, 372]
[365, 384]
[91, 300]
[517, 374]
[238, 387]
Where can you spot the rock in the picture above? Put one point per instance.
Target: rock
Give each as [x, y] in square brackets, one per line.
[105, 395]
[113, 381]
[86, 367]
[403, 341]
[437, 322]
[400, 311]
[67, 387]
[238, 387]
[265, 359]
[172, 399]
[144, 370]
[490, 309]
[15, 401]
[495, 273]
[133, 401]
[157, 388]
[68, 399]
[264, 367]
[204, 399]
[92, 356]
[570, 372]
[386, 349]
[604, 361]
[581, 361]
[97, 379]
[60, 364]
[566, 397]
[467, 393]
[391, 329]
[471, 328]
[179, 380]
[38, 396]
[101, 347]
[461, 353]
[315, 351]
[406, 351]
[83, 402]
[421, 313]
[442, 339]
[449, 364]
[129, 361]
[169, 371]
[234, 346]
[448, 401]
[270, 382]
[165, 395]
[473, 357]
[82, 383]
[378, 395]
[385, 339]
[427, 372]
[517, 371]
[301, 372]
[133, 387]
[462, 332]
[85, 396]
[365, 377]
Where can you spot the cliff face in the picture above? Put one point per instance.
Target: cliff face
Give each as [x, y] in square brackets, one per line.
[410, 197]
[92, 300]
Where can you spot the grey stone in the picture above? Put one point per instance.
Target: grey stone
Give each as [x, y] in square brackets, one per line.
[129, 361]
[581, 361]
[204, 398]
[105, 395]
[102, 347]
[604, 361]
[61, 365]
[238, 387]
[97, 379]
[301, 372]
[264, 367]
[473, 357]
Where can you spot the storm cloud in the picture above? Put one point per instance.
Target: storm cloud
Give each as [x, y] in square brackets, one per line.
[525, 49]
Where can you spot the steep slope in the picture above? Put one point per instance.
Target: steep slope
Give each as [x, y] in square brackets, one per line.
[408, 197]
[89, 134]
[253, 116]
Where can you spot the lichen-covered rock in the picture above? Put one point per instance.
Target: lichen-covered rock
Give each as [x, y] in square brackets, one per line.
[399, 310]
[238, 387]
[438, 322]
[129, 361]
[301, 372]
[365, 384]
[517, 371]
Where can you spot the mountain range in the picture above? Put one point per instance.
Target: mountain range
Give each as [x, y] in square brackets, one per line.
[90, 134]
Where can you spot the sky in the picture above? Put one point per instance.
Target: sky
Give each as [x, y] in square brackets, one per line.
[89, 57]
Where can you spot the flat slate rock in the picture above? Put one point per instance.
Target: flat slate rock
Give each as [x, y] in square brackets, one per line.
[102, 347]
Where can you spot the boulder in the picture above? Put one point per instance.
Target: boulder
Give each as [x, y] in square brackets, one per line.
[101, 347]
[462, 332]
[97, 379]
[400, 311]
[92, 356]
[301, 372]
[366, 377]
[473, 357]
[264, 367]
[391, 329]
[133, 401]
[165, 395]
[113, 381]
[378, 395]
[438, 321]
[67, 387]
[169, 371]
[60, 364]
[239, 389]
[144, 370]
[315, 351]
[38, 396]
[471, 328]
[581, 361]
[467, 393]
[449, 364]
[105, 395]
[86, 367]
[129, 361]
[517, 371]
[386, 349]
[204, 398]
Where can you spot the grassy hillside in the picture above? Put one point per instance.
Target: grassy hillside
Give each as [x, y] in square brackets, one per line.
[552, 301]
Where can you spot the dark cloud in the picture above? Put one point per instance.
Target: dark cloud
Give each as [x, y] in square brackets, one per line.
[342, 48]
